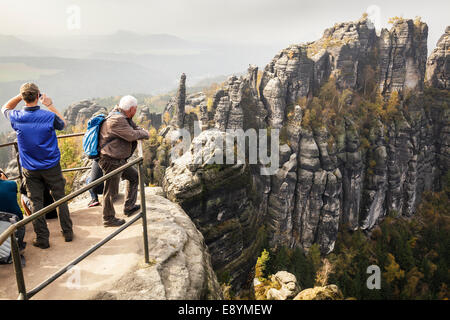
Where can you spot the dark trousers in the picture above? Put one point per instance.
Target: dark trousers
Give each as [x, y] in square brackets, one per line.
[111, 189]
[48, 200]
[36, 181]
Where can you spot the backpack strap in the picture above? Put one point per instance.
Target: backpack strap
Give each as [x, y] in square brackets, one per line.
[113, 138]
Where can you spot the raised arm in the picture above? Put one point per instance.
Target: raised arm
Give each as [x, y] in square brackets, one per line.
[47, 101]
[13, 102]
[10, 105]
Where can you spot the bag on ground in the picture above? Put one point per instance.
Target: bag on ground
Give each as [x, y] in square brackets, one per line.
[6, 220]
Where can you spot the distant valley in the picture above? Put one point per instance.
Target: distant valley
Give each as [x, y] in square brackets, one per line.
[79, 67]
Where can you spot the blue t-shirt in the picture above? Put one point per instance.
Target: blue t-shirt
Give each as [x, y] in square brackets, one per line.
[8, 198]
[36, 137]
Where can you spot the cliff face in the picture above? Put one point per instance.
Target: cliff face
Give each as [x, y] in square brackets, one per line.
[334, 181]
[403, 56]
[223, 205]
[340, 173]
[154, 119]
[438, 64]
[80, 112]
[346, 52]
[299, 70]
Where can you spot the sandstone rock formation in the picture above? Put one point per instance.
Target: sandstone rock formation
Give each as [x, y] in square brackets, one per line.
[288, 283]
[236, 105]
[182, 112]
[82, 111]
[403, 55]
[345, 52]
[330, 292]
[283, 286]
[438, 64]
[79, 112]
[153, 119]
[221, 202]
[327, 179]
[180, 101]
[12, 170]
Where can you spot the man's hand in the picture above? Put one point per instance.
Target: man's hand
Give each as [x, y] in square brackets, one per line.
[46, 100]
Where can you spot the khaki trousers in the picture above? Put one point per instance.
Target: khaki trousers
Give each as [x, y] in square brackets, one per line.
[111, 189]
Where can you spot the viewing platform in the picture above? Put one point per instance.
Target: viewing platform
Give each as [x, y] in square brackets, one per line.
[105, 265]
[180, 265]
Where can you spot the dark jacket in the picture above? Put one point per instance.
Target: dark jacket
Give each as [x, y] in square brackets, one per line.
[118, 136]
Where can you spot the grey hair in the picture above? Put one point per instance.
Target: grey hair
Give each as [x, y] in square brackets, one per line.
[127, 102]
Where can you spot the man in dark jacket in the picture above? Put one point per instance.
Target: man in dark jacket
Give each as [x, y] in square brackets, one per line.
[39, 156]
[118, 136]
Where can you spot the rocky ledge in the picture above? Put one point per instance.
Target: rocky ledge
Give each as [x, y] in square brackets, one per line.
[180, 262]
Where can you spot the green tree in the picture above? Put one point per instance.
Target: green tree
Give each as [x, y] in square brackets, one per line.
[260, 267]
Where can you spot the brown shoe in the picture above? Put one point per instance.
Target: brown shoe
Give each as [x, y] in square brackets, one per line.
[43, 244]
[114, 222]
[132, 211]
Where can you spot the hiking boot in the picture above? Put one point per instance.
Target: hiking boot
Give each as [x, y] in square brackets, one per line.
[114, 222]
[43, 244]
[131, 211]
[68, 235]
[93, 203]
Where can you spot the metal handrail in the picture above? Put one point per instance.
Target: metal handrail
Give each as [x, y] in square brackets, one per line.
[64, 136]
[7, 233]
[10, 232]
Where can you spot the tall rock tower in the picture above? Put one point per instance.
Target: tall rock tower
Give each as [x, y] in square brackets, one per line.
[178, 118]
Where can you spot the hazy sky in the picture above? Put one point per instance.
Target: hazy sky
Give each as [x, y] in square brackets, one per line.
[263, 21]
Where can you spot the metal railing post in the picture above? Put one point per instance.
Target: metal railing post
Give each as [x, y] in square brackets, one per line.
[18, 267]
[144, 211]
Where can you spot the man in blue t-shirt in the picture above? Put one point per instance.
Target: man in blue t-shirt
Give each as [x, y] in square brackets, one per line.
[39, 156]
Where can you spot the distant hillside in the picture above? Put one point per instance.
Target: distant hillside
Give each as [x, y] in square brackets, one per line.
[118, 42]
[79, 79]
[85, 78]
[13, 46]
[166, 53]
